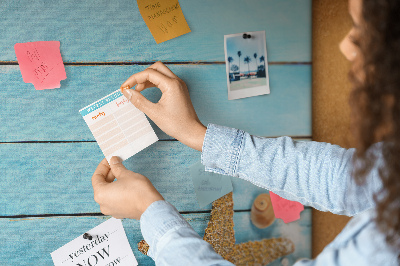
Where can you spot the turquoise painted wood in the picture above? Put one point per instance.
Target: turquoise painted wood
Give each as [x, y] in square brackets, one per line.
[56, 178]
[52, 115]
[114, 31]
[27, 241]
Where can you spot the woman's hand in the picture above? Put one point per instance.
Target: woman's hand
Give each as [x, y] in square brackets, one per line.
[127, 197]
[174, 112]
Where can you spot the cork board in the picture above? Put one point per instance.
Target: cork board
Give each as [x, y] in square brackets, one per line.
[331, 89]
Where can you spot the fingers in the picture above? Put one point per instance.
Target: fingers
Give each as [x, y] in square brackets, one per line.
[159, 80]
[160, 67]
[100, 174]
[110, 177]
[142, 86]
[140, 102]
[117, 167]
[156, 75]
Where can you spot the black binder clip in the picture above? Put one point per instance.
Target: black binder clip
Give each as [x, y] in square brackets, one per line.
[246, 36]
[87, 236]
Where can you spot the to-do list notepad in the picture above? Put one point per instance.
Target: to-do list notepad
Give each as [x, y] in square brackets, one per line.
[118, 126]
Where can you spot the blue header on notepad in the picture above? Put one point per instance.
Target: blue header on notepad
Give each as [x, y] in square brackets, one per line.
[100, 103]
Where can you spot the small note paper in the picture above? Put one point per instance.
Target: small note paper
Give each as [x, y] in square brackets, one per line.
[209, 186]
[41, 64]
[164, 18]
[118, 126]
[109, 246]
[284, 209]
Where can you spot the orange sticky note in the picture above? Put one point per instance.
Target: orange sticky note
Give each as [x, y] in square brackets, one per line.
[284, 209]
[41, 63]
[164, 18]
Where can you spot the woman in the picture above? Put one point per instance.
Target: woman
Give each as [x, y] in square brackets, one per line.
[362, 182]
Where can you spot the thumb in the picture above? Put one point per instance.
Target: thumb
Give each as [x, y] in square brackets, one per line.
[117, 167]
[99, 176]
[139, 101]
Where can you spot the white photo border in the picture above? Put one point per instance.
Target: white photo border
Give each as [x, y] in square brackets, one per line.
[248, 92]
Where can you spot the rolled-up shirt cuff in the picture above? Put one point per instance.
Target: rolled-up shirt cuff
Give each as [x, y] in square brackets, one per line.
[158, 219]
[221, 149]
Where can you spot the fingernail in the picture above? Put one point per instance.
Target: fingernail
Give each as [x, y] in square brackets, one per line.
[129, 92]
[115, 160]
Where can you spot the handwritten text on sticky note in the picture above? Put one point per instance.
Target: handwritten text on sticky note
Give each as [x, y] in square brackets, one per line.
[284, 209]
[108, 246]
[209, 186]
[41, 64]
[164, 18]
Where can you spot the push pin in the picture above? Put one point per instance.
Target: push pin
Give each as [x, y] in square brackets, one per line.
[87, 236]
[124, 88]
[246, 36]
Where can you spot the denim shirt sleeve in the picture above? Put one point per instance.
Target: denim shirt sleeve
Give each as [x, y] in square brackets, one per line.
[313, 173]
[172, 240]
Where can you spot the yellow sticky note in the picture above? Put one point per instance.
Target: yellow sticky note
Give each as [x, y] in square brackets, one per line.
[164, 18]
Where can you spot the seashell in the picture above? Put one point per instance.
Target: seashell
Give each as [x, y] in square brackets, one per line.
[262, 214]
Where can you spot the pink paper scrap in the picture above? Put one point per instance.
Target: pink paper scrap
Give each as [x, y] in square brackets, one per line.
[41, 64]
[284, 209]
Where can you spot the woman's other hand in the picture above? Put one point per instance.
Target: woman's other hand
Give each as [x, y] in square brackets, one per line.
[127, 197]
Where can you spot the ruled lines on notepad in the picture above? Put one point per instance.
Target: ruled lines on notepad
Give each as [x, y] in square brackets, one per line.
[120, 129]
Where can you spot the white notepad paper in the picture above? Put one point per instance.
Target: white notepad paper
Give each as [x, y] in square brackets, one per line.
[118, 126]
[108, 246]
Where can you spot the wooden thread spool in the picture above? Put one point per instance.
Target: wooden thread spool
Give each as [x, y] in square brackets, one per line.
[262, 213]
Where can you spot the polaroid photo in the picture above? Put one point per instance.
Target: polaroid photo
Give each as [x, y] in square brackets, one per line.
[246, 64]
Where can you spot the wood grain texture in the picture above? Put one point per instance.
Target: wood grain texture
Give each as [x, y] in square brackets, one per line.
[52, 115]
[56, 178]
[32, 240]
[114, 31]
[331, 88]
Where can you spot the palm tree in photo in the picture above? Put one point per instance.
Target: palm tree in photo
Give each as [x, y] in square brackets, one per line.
[247, 60]
[230, 60]
[262, 59]
[264, 72]
[239, 54]
[255, 60]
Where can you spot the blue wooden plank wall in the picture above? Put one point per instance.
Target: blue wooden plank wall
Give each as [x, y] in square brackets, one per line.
[20, 232]
[114, 31]
[48, 153]
[287, 108]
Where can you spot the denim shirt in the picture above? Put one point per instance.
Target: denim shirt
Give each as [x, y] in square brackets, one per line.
[312, 173]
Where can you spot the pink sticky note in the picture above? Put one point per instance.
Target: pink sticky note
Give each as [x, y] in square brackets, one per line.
[41, 64]
[287, 210]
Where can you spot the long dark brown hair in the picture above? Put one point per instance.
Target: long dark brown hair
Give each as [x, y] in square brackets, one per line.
[375, 103]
